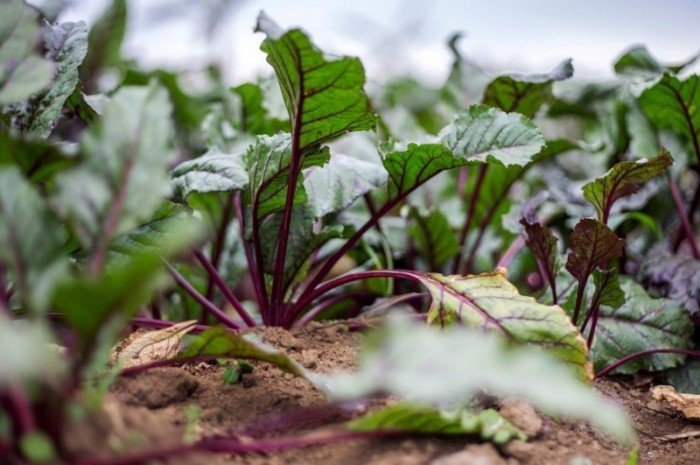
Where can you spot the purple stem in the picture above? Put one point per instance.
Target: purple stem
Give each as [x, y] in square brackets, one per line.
[219, 242]
[469, 217]
[325, 305]
[511, 252]
[579, 300]
[685, 221]
[206, 304]
[171, 362]
[216, 278]
[251, 257]
[4, 297]
[644, 353]
[22, 409]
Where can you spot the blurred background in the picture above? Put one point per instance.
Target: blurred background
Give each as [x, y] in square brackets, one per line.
[394, 37]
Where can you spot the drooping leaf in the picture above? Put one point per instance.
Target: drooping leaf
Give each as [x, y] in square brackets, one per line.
[607, 289]
[433, 237]
[324, 98]
[490, 302]
[540, 240]
[31, 240]
[220, 343]
[638, 62]
[66, 46]
[525, 93]
[23, 72]
[448, 367]
[404, 416]
[267, 162]
[673, 104]
[336, 185]
[104, 43]
[124, 174]
[642, 322]
[483, 134]
[214, 171]
[624, 179]
[592, 245]
[678, 275]
[685, 378]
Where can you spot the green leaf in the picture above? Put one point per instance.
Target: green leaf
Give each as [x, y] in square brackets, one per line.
[124, 173]
[255, 117]
[592, 245]
[232, 375]
[483, 134]
[324, 98]
[37, 159]
[637, 62]
[267, 162]
[104, 43]
[214, 171]
[686, 378]
[27, 352]
[23, 72]
[433, 237]
[31, 240]
[489, 301]
[37, 447]
[220, 343]
[411, 418]
[642, 322]
[674, 104]
[607, 289]
[66, 46]
[447, 368]
[525, 93]
[411, 167]
[622, 180]
[336, 185]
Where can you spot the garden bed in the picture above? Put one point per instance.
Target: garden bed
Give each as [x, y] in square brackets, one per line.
[150, 411]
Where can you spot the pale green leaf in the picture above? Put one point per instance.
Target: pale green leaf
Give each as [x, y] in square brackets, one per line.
[214, 171]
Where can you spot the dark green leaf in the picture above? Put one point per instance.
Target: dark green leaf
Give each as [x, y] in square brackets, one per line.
[232, 375]
[433, 237]
[624, 179]
[483, 134]
[31, 240]
[686, 378]
[673, 104]
[490, 302]
[37, 159]
[525, 93]
[641, 323]
[255, 117]
[607, 289]
[220, 343]
[409, 168]
[592, 245]
[403, 416]
[23, 72]
[324, 98]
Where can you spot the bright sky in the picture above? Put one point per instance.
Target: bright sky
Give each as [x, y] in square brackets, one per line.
[397, 36]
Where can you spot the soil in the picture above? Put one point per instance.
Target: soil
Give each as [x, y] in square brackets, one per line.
[151, 410]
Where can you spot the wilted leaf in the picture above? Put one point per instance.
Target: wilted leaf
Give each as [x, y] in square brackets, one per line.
[592, 245]
[490, 302]
[219, 343]
[403, 416]
[433, 237]
[214, 171]
[483, 134]
[448, 367]
[23, 72]
[150, 346]
[642, 322]
[687, 404]
[31, 240]
[324, 98]
[525, 93]
[66, 45]
[124, 175]
[624, 179]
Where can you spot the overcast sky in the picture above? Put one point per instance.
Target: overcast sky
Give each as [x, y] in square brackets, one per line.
[397, 36]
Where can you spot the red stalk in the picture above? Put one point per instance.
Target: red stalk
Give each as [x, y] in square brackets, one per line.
[644, 353]
[683, 215]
